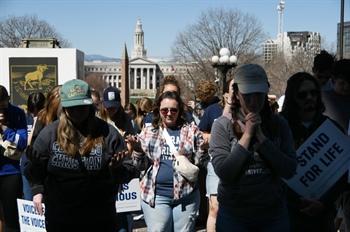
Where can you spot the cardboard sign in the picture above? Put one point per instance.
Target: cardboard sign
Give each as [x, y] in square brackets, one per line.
[322, 159]
[29, 219]
[129, 199]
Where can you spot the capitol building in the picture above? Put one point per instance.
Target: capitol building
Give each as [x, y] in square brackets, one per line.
[145, 74]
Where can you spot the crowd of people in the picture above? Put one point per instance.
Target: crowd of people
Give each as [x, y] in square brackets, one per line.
[75, 147]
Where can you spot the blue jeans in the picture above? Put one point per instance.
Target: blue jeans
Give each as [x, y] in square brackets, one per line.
[27, 194]
[226, 222]
[172, 215]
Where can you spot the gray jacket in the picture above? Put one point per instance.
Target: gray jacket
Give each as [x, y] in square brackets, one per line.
[251, 180]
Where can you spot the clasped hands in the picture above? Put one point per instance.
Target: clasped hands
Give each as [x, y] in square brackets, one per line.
[252, 126]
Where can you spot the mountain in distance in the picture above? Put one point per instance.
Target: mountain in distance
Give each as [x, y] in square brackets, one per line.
[94, 57]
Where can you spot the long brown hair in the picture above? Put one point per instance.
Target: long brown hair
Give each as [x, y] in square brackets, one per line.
[52, 107]
[290, 106]
[69, 139]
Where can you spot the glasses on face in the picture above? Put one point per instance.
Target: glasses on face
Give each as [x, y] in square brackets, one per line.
[165, 111]
[304, 94]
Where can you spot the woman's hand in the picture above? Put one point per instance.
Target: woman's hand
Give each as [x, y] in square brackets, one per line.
[191, 104]
[251, 129]
[311, 207]
[135, 142]
[252, 122]
[38, 200]
[117, 159]
[206, 137]
[204, 145]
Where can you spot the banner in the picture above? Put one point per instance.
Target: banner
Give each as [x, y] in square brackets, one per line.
[322, 159]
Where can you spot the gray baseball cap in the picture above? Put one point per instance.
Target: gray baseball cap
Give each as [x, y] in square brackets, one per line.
[251, 78]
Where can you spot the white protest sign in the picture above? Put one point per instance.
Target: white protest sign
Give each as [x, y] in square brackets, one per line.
[29, 219]
[129, 199]
[322, 159]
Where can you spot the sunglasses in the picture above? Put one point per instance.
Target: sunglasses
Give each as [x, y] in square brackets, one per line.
[304, 94]
[165, 111]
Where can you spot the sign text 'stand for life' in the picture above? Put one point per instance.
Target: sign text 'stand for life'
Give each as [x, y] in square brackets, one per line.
[322, 159]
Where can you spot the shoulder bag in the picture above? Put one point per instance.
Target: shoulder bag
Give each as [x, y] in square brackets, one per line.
[182, 164]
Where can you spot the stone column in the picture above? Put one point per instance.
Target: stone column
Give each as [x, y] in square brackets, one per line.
[154, 78]
[135, 78]
[142, 79]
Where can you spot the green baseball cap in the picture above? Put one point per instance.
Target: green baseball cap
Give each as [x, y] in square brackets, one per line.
[75, 93]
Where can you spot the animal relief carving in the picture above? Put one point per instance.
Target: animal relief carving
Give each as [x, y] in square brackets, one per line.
[35, 77]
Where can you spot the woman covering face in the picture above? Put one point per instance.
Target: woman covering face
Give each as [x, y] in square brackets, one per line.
[252, 150]
[77, 163]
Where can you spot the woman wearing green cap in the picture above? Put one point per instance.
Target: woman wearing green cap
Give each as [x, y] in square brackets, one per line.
[77, 162]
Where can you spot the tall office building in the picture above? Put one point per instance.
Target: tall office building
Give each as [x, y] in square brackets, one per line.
[270, 49]
[346, 40]
[305, 42]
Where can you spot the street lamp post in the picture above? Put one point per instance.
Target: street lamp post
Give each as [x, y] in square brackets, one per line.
[224, 63]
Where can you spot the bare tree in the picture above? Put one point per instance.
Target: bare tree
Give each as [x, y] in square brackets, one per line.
[331, 48]
[241, 33]
[280, 68]
[15, 28]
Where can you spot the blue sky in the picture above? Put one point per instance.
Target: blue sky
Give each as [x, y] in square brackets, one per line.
[102, 27]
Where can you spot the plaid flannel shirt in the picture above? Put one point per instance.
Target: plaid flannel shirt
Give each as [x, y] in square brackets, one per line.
[149, 160]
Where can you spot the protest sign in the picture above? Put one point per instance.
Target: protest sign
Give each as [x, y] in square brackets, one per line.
[322, 159]
[29, 219]
[129, 199]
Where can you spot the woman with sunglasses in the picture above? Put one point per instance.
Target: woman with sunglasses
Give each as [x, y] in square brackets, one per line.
[169, 83]
[169, 201]
[252, 150]
[303, 109]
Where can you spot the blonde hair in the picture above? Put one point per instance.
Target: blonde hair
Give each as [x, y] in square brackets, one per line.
[52, 107]
[145, 103]
[205, 89]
